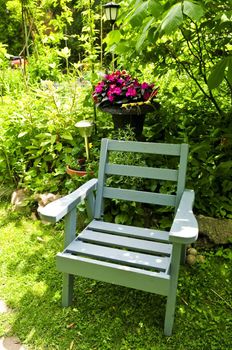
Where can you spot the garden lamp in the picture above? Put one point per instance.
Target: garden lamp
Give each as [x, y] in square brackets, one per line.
[85, 128]
[111, 11]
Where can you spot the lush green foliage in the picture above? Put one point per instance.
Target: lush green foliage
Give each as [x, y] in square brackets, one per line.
[184, 47]
[105, 316]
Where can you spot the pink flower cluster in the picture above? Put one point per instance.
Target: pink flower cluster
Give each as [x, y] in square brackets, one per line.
[119, 87]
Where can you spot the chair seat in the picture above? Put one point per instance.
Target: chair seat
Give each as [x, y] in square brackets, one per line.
[116, 244]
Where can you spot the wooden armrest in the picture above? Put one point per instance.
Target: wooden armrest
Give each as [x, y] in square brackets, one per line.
[185, 227]
[56, 210]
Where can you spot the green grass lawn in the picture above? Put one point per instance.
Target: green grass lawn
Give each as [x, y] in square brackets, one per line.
[105, 316]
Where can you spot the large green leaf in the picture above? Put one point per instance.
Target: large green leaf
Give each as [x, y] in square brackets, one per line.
[144, 33]
[154, 8]
[113, 37]
[172, 20]
[217, 74]
[192, 10]
[139, 14]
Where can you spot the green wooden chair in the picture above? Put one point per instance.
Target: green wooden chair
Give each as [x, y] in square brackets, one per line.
[140, 258]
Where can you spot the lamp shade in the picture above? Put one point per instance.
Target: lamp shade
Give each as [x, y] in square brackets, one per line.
[85, 128]
[111, 11]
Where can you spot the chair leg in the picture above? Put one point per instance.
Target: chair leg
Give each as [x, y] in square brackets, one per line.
[67, 293]
[171, 299]
[170, 313]
[183, 254]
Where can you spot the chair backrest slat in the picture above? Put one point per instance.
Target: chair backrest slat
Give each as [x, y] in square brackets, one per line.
[144, 172]
[145, 147]
[139, 196]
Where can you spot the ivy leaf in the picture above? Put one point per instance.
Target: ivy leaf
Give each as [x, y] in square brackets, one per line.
[217, 74]
[172, 20]
[192, 10]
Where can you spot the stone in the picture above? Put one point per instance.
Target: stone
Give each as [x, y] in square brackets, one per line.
[11, 343]
[218, 231]
[19, 199]
[191, 259]
[3, 307]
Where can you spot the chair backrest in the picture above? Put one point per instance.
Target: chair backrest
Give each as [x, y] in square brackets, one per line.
[106, 168]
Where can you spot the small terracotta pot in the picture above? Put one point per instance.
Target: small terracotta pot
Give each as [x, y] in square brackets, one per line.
[78, 172]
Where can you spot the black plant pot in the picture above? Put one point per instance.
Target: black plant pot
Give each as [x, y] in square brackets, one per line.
[131, 116]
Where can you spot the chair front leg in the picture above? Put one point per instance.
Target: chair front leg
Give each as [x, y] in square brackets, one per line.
[171, 299]
[69, 236]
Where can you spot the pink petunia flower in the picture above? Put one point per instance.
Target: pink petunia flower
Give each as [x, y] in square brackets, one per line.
[117, 91]
[131, 92]
[111, 98]
[144, 86]
[98, 89]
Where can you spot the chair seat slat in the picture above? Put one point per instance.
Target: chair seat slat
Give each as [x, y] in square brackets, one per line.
[126, 242]
[131, 231]
[116, 255]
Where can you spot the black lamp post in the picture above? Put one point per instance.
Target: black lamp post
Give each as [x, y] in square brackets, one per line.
[111, 13]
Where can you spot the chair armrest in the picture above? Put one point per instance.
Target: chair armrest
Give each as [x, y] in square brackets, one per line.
[56, 210]
[184, 229]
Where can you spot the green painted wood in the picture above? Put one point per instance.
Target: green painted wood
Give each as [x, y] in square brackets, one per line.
[90, 205]
[125, 257]
[144, 147]
[101, 179]
[55, 211]
[130, 231]
[126, 276]
[70, 227]
[182, 172]
[144, 172]
[67, 292]
[139, 258]
[184, 228]
[171, 299]
[125, 242]
[139, 196]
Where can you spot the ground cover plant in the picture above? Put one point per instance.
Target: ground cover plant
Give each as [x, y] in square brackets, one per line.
[104, 316]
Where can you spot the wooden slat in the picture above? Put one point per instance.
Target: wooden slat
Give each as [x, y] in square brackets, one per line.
[130, 231]
[101, 179]
[139, 196]
[125, 242]
[127, 276]
[182, 172]
[115, 255]
[144, 147]
[144, 172]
